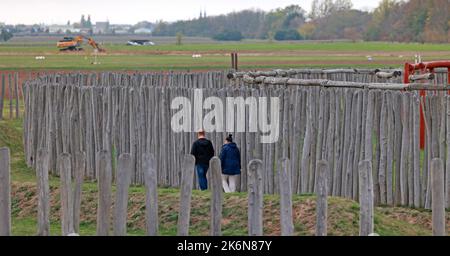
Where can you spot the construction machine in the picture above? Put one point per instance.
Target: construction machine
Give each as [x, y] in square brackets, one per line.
[74, 43]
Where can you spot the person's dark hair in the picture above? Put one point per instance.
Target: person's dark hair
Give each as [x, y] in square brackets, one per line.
[201, 132]
[229, 138]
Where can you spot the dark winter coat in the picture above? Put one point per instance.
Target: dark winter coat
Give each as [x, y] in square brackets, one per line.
[203, 151]
[230, 158]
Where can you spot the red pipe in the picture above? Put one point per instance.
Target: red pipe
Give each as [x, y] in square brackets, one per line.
[410, 69]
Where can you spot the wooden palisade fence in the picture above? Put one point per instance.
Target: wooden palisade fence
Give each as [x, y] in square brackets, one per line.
[350, 138]
[345, 124]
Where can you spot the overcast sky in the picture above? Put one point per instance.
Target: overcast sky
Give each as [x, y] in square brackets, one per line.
[133, 11]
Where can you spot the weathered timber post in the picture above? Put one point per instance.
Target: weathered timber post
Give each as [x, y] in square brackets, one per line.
[65, 170]
[404, 150]
[10, 94]
[447, 172]
[43, 193]
[2, 95]
[104, 193]
[321, 202]
[5, 193]
[216, 197]
[365, 198]
[416, 150]
[255, 198]
[187, 178]
[438, 197]
[284, 178]
[80, 167]
[16, 93]
[123, 183]
[151, 190]
[234, 61]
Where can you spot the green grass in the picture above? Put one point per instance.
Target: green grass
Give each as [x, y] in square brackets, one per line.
[184, 62]
[249, 46]
[261, 55]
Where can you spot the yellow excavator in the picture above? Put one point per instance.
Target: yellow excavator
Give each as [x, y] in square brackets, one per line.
[74, 43]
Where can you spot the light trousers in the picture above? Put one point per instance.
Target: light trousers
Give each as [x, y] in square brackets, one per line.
[229, 183]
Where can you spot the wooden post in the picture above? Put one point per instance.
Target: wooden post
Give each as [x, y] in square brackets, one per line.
[365, 198]
[404, 151]
[383, 149]
[346, 159]
[368, 147]
[359, 143]
[379, 99]
[397, 100]
[232, 61]
[255, 198]
[320, 135]
[447, 167]
[43, 193]
[416, 151]
[187, 178]
[16, 93]
[426, 172]
[123, 183]
[305, 162]
[151, 190]
[339, 136]
[217, 197]
[438, 197]
[321, 202]
[104, 193]
[10, 94]
[80, 168]
[65, 170]
[390, 150]
[5, 193]
[284, 178]
[2, 95]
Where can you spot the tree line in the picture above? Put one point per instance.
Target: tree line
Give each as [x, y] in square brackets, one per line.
[392, 20]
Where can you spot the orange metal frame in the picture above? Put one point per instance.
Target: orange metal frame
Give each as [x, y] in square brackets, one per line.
[424, 67]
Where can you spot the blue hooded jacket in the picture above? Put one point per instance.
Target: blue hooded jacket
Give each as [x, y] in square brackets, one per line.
[230, 158]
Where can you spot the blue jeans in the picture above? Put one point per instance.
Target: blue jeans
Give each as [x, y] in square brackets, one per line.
[202, 169]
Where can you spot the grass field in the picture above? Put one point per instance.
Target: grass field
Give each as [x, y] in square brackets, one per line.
[253, 55]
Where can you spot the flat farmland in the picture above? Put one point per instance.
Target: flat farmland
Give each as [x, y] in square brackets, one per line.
[21, 52]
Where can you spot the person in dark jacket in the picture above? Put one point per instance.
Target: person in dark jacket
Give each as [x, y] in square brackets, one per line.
[203, 151]
[230, 158]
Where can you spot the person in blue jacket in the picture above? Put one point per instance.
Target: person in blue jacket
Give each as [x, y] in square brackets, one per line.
[230, 158]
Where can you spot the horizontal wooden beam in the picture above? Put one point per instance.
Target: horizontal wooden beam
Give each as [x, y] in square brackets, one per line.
[341, 84]
[381, 73]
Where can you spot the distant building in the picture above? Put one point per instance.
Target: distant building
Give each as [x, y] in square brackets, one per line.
[101, 28]
[86, 31]
[143, 31]
[62, 29]
[120, 29]
[121, 32]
